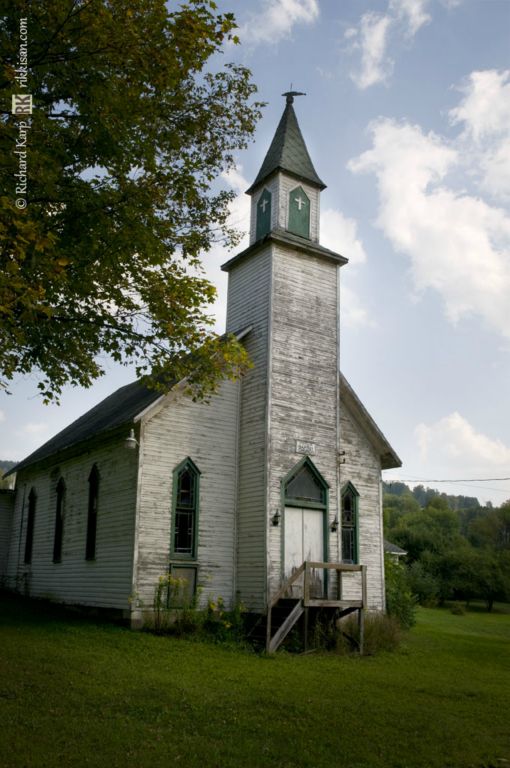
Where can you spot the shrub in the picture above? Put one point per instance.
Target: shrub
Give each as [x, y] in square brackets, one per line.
[400, 601]
[382, 633]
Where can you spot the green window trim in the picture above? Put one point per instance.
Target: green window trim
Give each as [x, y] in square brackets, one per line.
[185, 511]
[304, 468]
[29, 539]
[58, 538]
[350, 525]
[263, 215]
[90, 546]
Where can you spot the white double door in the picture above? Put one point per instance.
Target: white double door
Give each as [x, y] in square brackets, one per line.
[304, 540]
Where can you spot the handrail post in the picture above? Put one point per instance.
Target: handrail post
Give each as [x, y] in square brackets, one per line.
[268, 627]
[364, 586]
[306, 584]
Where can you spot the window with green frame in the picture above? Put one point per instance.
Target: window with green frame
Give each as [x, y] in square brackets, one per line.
[350, 498]
[185, 510]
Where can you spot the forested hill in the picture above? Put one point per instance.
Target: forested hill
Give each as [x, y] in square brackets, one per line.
[5, 466]
[425, 495]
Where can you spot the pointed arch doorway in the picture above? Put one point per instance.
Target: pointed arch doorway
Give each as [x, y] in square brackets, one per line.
[305, 524]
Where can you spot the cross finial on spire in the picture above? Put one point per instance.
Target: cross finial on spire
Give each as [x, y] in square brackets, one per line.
[290, 95]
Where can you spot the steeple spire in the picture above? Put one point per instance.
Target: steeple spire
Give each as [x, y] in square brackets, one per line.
[288, 152]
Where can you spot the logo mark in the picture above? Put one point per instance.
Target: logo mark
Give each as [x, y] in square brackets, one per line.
[21, 104]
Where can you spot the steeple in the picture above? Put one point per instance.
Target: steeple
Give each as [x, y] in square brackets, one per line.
[286, 193]
[288, 152]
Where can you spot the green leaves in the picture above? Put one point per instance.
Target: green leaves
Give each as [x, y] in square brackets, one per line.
[127, 138]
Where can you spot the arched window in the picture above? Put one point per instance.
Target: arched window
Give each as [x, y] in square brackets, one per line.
[59, 521]
[263, 214]
[350, 498]
[90, 548]
[29, 541]
[305, 486]
[185, 510]
[299, 212]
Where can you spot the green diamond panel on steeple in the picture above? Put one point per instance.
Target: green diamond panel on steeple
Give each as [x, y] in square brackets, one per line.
[299, 212]
[263, 215]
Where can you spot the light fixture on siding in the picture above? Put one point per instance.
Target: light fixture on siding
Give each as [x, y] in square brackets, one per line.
[131, 442]
[276, 517]
[334, 525]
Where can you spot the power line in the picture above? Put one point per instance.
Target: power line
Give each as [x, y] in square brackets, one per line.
[464, 480]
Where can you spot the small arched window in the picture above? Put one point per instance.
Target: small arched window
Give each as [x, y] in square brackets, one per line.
[59, 521]
[185, 510]
[29, 541]
[90, 548]
[350, 498]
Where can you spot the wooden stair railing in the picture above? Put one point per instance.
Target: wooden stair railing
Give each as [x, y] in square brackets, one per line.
[306, 601]
[270, 646]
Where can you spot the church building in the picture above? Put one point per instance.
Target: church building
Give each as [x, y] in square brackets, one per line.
[271, 489]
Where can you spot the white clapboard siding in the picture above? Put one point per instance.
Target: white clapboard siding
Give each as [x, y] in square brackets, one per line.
[303, 383]
[249, 303]
[362, 467]
[6, 513]
[104, 582]
[206, 433]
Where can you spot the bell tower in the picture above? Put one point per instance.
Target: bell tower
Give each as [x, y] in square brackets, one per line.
[285, 285]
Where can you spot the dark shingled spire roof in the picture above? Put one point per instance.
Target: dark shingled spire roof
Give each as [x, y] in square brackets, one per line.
[288, 152]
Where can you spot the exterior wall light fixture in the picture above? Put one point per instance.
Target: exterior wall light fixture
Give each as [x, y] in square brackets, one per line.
[131, 442]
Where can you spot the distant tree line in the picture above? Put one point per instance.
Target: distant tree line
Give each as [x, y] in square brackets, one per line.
[454, 551]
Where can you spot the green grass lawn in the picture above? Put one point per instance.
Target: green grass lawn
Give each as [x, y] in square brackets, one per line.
[76, 693]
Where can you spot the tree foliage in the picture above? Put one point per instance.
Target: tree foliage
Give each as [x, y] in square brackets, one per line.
[462, 554]
[134, 117]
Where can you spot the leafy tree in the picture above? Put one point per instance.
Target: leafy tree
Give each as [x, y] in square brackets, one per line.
[400, 601]
[128, 135]
[492, 529]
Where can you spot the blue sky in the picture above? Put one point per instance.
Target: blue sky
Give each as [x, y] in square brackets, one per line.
[407, 120]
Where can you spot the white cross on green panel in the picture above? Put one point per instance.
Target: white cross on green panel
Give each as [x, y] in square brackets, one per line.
[299, 212]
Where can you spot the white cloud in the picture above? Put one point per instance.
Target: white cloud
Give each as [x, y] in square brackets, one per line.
[276, 20]
[33, 428]
[341, 235]
[411, 13]
[371, 39]
[453, 443]
[2, 416]
[457, 244]
[376, 31]
[485, 108]
[484, 113]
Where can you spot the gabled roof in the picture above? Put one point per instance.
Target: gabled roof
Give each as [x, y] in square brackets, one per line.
[288, 153]
[389, 459]
[393, 549]
[121, 407]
